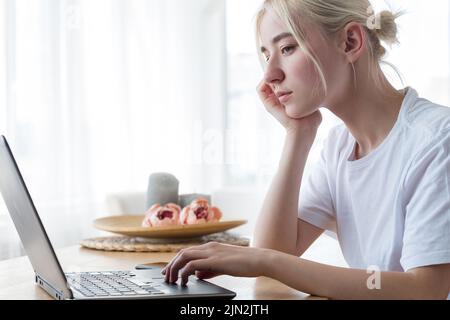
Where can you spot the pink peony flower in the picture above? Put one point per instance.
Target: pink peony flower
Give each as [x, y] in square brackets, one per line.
[199, 211]
[159, 215]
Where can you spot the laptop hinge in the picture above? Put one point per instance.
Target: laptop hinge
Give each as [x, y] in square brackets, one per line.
[57, 294]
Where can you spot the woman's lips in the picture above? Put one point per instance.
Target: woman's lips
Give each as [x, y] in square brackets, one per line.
[285, 97]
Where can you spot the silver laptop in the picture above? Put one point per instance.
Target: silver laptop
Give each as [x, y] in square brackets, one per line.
[129, 284]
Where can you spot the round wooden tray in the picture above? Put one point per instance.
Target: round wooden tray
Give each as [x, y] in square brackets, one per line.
[131, 226]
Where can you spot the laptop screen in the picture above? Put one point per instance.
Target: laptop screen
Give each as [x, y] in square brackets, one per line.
[28, 224]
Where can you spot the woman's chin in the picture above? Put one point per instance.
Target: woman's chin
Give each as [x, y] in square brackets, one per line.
[297, 113]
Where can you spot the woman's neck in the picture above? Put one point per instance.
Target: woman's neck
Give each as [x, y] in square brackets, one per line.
[370, 113]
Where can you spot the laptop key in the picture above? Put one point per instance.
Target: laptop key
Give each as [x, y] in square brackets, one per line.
[141, 291]
[101, 294]
[85, 293]
[148, 286]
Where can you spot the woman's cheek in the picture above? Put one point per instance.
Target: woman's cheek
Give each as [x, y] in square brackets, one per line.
[309, 75]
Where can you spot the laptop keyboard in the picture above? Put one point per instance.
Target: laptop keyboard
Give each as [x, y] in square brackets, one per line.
[114, 283]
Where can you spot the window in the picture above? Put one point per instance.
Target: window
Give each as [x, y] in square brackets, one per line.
[100, 94]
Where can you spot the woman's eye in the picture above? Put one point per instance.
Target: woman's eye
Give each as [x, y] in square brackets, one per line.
[287, 49]
[284, 50]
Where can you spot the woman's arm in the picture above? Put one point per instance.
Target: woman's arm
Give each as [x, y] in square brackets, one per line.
[277, 224]
[213, 259]
[431, 282]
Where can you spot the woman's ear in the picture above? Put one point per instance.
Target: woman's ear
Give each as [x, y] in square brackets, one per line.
[353, 41]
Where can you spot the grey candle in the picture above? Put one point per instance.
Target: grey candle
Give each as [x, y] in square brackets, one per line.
[186, 199]
[162, 189]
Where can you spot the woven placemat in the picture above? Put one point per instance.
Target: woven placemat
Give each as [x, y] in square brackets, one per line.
[133, 244]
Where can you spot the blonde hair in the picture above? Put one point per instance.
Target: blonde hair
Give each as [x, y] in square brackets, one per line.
[331, 16]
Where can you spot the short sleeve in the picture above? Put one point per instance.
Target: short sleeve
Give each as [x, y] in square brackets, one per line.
[315, 201]
[426, 238]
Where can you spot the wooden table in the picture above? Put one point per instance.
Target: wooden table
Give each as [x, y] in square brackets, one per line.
[17, 276]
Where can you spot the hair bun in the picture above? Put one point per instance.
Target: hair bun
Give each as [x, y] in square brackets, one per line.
[387, 30]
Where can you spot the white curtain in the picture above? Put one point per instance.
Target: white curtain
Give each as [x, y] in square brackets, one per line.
[97, 94]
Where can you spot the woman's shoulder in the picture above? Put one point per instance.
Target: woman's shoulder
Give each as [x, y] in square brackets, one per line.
[427, 130]
[424, 118]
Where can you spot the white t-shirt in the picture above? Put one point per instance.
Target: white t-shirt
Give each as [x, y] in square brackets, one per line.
[391, 208]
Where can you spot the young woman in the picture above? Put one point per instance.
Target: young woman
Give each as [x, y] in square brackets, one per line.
[383, 179]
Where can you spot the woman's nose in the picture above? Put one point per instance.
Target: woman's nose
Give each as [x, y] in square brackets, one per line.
[273, 74]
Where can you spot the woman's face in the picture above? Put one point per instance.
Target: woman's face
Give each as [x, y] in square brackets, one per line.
[288, 69]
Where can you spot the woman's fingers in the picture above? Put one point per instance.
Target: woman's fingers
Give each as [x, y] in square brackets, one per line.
[166, 270]
[168, 266]
[260, 85]
[271, 102]
[183, 258]
[266, 94]
[191, 267]
[170, 271]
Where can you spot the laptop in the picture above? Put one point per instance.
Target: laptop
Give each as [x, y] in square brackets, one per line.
[49, 275]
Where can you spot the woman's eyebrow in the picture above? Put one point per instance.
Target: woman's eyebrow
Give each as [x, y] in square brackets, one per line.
[278, 38]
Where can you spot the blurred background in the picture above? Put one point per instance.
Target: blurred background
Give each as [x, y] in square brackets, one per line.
[95, 95]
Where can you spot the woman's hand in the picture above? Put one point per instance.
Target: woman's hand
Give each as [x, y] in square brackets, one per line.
[277, 110]
[213, 259]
